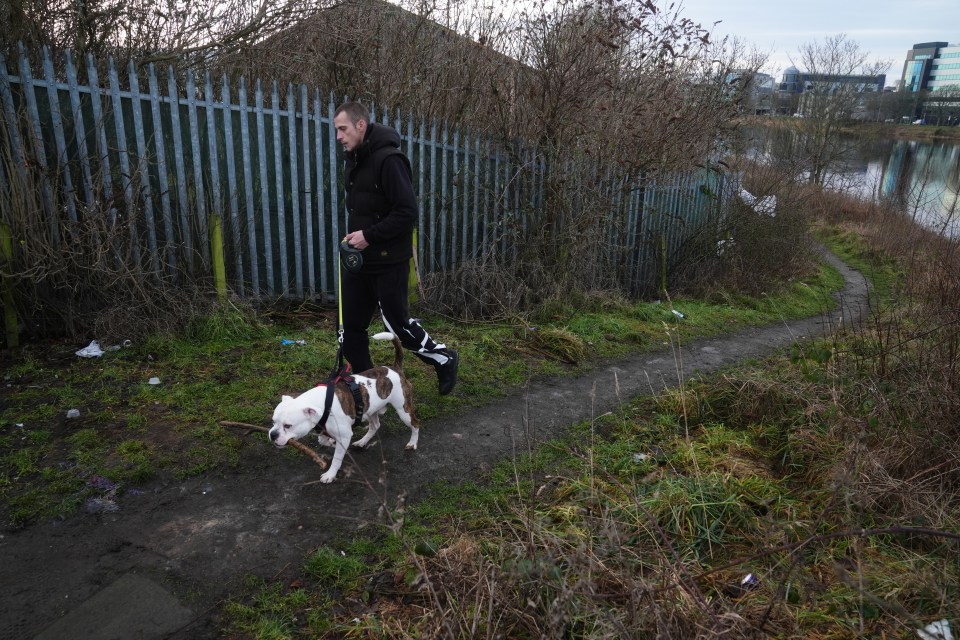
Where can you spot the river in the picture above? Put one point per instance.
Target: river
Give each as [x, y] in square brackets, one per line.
[921, 178]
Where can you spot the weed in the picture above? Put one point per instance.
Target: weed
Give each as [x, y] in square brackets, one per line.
[23, 461]
[227, 323]
[135, 464]
[334, 569]
[558, 343]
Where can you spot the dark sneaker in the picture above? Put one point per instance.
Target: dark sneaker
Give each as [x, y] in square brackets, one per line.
[447, 372]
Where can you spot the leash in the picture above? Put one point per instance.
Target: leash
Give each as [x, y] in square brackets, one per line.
[341, 370]
[339, 365]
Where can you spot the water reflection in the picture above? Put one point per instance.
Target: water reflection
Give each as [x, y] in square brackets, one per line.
[920, 178]
[923, 179]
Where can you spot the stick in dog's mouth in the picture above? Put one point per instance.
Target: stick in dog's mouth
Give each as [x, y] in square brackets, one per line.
[296, 445]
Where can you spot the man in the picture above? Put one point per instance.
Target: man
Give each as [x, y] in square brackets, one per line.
[382, 212]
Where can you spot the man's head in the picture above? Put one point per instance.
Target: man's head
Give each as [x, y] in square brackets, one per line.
[351, 120]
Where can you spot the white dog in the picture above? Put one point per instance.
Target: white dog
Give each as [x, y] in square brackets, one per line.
[380, 387]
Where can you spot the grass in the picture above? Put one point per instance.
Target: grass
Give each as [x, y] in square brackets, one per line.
[646, 523]
[540, 539]
[641, 523]
[232, 366]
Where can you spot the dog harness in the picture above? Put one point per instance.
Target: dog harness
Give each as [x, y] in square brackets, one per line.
[341, 374]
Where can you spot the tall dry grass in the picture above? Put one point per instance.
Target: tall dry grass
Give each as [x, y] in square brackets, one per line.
[830, 476]
[907, 358]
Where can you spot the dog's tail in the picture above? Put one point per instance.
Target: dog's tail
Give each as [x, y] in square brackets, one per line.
[397, 347]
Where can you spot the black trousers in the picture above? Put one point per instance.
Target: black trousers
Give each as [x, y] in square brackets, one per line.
[386, 289]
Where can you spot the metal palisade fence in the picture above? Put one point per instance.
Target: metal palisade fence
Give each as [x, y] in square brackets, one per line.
[184, 159]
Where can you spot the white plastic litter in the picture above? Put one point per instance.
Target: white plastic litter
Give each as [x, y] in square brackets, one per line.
[766, 204]
[92, 350]
[153, 380]
[73, 413]
[939, 630]
[722, 246]
[749, 582]
[677, 313]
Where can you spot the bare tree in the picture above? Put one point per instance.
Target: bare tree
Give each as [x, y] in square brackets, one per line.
[942, 107]
[184, 32]
[839, 77]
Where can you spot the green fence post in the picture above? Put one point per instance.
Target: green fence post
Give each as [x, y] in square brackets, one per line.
[216, 247]
[9, 312]
[663, 265]
[414, 278]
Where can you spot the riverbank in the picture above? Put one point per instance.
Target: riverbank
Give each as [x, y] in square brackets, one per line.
[920, 133]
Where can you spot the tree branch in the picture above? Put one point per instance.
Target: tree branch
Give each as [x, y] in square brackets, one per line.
[296, 444]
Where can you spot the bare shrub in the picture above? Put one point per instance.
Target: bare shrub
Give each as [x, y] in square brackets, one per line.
[88, 277]
[565, 577]
[561, 250]
[751, 250]
[904, 366]
[188, 34]
[606, 93]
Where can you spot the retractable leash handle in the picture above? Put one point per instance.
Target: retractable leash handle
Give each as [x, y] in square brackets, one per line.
[352, 259]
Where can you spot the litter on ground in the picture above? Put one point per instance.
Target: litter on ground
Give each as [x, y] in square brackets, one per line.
[92, 350]
[939, 630]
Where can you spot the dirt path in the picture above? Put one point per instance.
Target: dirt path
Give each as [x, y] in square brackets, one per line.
[158, 567]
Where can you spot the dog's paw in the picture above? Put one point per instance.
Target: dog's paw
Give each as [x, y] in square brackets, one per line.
[328, 477]
[410, 447]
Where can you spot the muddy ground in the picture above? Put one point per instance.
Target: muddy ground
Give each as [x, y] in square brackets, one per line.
[159, 566]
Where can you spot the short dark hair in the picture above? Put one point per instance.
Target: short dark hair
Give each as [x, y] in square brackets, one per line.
[355, 111]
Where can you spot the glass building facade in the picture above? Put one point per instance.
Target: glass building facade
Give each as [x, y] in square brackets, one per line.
[796, 81]
[931, 66]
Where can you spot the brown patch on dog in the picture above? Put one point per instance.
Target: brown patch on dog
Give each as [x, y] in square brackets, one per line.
[384, 386]
[345, 397]
[365, 395]
[408, 400]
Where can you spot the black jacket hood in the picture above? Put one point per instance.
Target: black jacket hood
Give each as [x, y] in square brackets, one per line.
[377, 137]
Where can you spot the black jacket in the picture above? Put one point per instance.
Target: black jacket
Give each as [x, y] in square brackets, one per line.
[380, 198]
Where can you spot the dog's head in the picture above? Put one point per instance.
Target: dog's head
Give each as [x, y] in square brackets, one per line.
[292, 420]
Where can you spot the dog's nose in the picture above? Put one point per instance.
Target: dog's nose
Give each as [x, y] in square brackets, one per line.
[274, 435]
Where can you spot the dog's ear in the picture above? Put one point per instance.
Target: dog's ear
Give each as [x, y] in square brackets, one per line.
[310, 412]
[285, 398]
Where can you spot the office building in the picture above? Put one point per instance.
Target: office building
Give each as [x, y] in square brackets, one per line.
[931, 66]
[796, 81]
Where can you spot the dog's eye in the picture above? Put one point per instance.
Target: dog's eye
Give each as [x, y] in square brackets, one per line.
[286, 426]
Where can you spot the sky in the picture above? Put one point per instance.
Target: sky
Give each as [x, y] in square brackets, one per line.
[885, 29]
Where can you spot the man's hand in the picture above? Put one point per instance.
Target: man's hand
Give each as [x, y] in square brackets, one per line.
[357, 240]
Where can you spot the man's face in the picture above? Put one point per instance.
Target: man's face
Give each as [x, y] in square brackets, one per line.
[348, 134]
